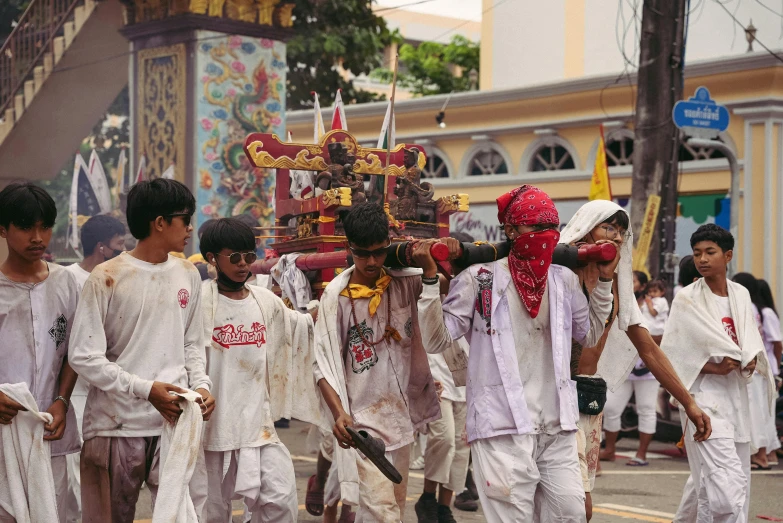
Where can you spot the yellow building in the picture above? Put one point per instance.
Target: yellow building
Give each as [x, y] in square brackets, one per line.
[547, 135]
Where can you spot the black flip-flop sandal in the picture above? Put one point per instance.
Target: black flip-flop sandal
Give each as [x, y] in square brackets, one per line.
[758, 466]
[375, 450]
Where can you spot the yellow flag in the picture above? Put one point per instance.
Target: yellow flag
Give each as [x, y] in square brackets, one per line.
[646, 234]
[600, 188]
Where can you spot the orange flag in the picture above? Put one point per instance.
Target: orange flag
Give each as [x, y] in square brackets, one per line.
[600, 186]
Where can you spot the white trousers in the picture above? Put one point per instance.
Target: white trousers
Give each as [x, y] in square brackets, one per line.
[521, 475]
[60, 473]
[380, 500]
[447, 454]
[74, 500]
[277, 493]
[646, 399]
[763, 433]
[720, 481]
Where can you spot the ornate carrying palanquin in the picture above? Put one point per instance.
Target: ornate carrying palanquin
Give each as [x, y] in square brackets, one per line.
[312, 224]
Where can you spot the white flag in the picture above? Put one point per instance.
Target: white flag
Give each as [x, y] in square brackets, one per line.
[318, 121]
[142, 172]
[121, 163]
[168, 174]
[339, 120]
[386, 141]
[100, 186]
[79, 167]
[302, 182]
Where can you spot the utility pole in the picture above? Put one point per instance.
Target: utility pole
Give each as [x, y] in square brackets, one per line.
[657, 140]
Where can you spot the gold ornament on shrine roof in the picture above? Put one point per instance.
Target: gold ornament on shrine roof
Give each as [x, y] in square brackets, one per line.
[267, 151]
[262, 12]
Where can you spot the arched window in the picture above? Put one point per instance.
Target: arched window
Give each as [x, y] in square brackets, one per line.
[437, 165]
[486, 158]
[550, 153]
[619, 149]
[689, 153]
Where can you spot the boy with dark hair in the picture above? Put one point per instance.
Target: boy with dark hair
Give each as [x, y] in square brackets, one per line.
[260, 349]
[137, 338]
[714, 344]
[371, 367]
[103, 238]
[37, 304]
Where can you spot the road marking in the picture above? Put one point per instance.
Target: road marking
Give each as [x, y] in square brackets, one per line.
[646, 472]
[650, 455]
[644, 511]
[630, 515]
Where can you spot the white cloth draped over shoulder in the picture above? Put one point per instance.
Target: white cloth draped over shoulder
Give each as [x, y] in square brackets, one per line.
[619, 355]
[695, 333]
[26, 483]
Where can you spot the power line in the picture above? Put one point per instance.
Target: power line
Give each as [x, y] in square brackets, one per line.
[767, 49]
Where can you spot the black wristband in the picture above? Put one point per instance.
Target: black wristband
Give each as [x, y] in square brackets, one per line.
[605, 280]
[434, 280]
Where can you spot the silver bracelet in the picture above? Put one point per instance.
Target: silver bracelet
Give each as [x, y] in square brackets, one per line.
[67, 403]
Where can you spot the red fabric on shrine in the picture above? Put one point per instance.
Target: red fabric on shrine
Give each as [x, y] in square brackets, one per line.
[531, 253]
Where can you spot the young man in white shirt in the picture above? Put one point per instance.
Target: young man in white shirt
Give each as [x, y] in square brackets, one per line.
[137, 337]
[103, 238]
[714, 344]
[372, 369]
[260, 361]
[520, 314]
[37, 304]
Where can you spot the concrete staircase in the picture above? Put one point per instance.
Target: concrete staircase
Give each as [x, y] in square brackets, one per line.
[60, 68]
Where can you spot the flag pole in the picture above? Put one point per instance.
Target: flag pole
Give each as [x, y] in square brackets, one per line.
[389, 133]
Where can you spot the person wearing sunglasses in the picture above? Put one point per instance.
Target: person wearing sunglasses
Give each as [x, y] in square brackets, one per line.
[137, 337]
[259, 356]
[371, 367]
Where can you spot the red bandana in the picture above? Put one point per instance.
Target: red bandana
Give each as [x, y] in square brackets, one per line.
[531, 253]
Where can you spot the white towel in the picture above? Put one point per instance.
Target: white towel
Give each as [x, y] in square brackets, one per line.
[26, 483]
[179, 452]
[695, 333]
[619, 354]
[293, 283]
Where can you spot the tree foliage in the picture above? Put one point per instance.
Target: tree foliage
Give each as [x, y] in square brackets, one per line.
[430, 67]
[10, 12]
[331, 34]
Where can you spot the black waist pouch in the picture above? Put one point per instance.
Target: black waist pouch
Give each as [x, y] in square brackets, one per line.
[591, 394]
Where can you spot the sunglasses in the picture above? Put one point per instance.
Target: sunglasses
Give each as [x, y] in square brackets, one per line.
[185, 217]
[363, 254]
[236, 257]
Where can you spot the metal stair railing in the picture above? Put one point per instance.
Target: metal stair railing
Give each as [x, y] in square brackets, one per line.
[31, 39]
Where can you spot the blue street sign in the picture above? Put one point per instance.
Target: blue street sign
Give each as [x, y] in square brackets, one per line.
[701, 114]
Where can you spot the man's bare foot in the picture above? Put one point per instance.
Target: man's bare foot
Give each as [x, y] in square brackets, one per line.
[605, 455]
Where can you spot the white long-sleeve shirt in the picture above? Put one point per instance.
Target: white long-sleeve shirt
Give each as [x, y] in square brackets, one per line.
[136, 323]
[477, 307]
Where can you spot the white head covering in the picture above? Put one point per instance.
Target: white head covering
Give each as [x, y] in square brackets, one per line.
[619, 355]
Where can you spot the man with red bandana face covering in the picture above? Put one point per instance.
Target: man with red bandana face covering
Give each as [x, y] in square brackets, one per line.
[519, 314]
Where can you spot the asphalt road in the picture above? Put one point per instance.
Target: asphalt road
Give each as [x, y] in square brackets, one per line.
[622, 493]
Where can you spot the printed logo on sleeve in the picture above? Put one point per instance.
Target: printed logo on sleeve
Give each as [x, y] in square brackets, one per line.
[484, 297]
[731, 330]
[58, 330]
[229, 335]
[183, 297]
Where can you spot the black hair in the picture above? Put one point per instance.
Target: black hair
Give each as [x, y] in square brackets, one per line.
[227, 233]
[203, 226]
[765, 296]
[101, 228]
[25, 204]
[688, 273]
[620, 219]
[709, 232]
[159, 197]
[641, 276]
[749, 281]
[366, 224]
[656, 284]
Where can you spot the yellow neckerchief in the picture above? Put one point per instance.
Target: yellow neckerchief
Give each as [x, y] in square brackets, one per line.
[362, 291]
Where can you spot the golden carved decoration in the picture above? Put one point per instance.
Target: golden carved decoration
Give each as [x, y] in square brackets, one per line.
[161, 109]
[216, 7]
[361, 166]
[453, 203]
[284, 13]
[243, 10]
[303, 227]
[198, 7]
[302, 161]
[266, 11]
[337, 197]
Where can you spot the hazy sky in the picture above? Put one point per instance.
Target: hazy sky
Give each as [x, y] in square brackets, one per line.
[467, 9]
